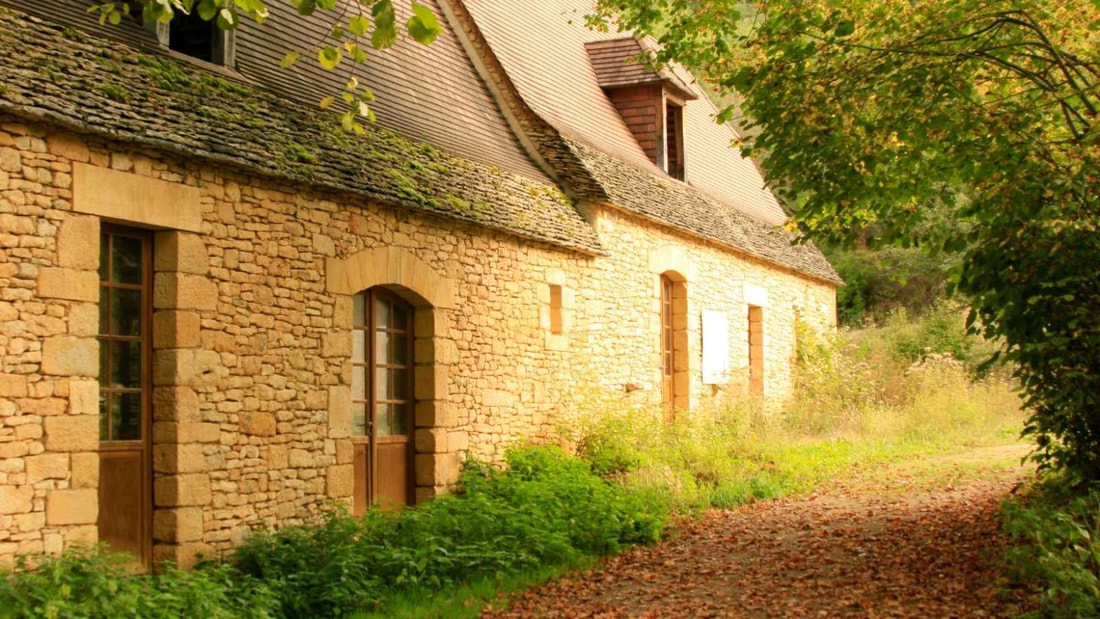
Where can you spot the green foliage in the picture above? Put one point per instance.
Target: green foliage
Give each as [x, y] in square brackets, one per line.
[915, 380]
[878, 282]
[544, 512]
[939, 331]
[92, 583]
[468, 600]
[880, 113]
[713, 458]
[320, 568]
[545, 509]
[604, 448]
[1057, 549]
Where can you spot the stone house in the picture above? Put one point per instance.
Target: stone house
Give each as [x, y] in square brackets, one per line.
[218, 310]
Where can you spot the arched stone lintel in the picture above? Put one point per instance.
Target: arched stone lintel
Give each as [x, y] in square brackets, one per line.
[674, 261]
[389, 266]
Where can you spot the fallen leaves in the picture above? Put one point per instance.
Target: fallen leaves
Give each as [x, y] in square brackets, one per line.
[874, 546]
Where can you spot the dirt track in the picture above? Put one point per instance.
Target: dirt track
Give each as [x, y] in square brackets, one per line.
[915, 539]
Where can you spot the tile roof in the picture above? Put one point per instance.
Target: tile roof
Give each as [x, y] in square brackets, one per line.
[662, 199]
[541, 47]
[54, 74]
[430, 93]
[618, 62]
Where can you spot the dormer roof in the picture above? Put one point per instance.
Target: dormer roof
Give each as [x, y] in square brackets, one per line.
[627, 61]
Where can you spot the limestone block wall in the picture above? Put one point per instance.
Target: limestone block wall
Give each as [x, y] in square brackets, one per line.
[251, 360]
[618, 311]
[48, 388]
[251, 335]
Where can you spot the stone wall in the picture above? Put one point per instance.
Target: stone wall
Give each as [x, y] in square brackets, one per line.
[618, 311]
[251, 336]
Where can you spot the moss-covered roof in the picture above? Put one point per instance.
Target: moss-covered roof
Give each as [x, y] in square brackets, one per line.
[667, 201]
[93, 86]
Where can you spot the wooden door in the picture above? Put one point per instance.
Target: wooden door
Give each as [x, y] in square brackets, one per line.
[668, 350]
[382, 399]
[756, 350]
[125, 463]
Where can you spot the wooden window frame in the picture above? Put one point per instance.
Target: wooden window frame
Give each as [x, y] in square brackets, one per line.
[557, 321]
[668, 349]
[223, 52]
[145, 338]
[116, 448]
[756, 349]
[674, 139]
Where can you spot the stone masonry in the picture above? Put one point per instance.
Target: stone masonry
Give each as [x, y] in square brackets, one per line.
[252, 335]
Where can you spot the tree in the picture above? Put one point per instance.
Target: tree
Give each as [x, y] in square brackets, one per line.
[869, 110]
[357, 25]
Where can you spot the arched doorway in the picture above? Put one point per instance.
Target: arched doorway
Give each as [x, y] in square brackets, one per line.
[382, 399]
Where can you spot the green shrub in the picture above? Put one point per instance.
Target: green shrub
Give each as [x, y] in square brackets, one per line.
[605, 450]
[93, 583]
[320, 568]
[545, 508]
[941, 330]
[884, 280]
[1057, 550]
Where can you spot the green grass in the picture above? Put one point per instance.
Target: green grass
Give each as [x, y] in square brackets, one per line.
[861, 397]
[468, 600]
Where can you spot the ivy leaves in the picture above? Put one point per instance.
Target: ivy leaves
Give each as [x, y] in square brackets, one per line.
[423, 26]
[358, 26]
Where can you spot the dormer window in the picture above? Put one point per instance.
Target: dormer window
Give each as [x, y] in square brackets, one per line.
[650, 100]
[192, 36]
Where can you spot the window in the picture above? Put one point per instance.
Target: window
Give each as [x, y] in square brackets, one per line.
[556, 303]
[556, 321]
[668, 352]
[674, 353]
[674, 140]
[193, 36]
[123, 335]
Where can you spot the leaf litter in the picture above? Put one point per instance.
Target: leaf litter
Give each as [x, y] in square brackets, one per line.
[887, 541]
